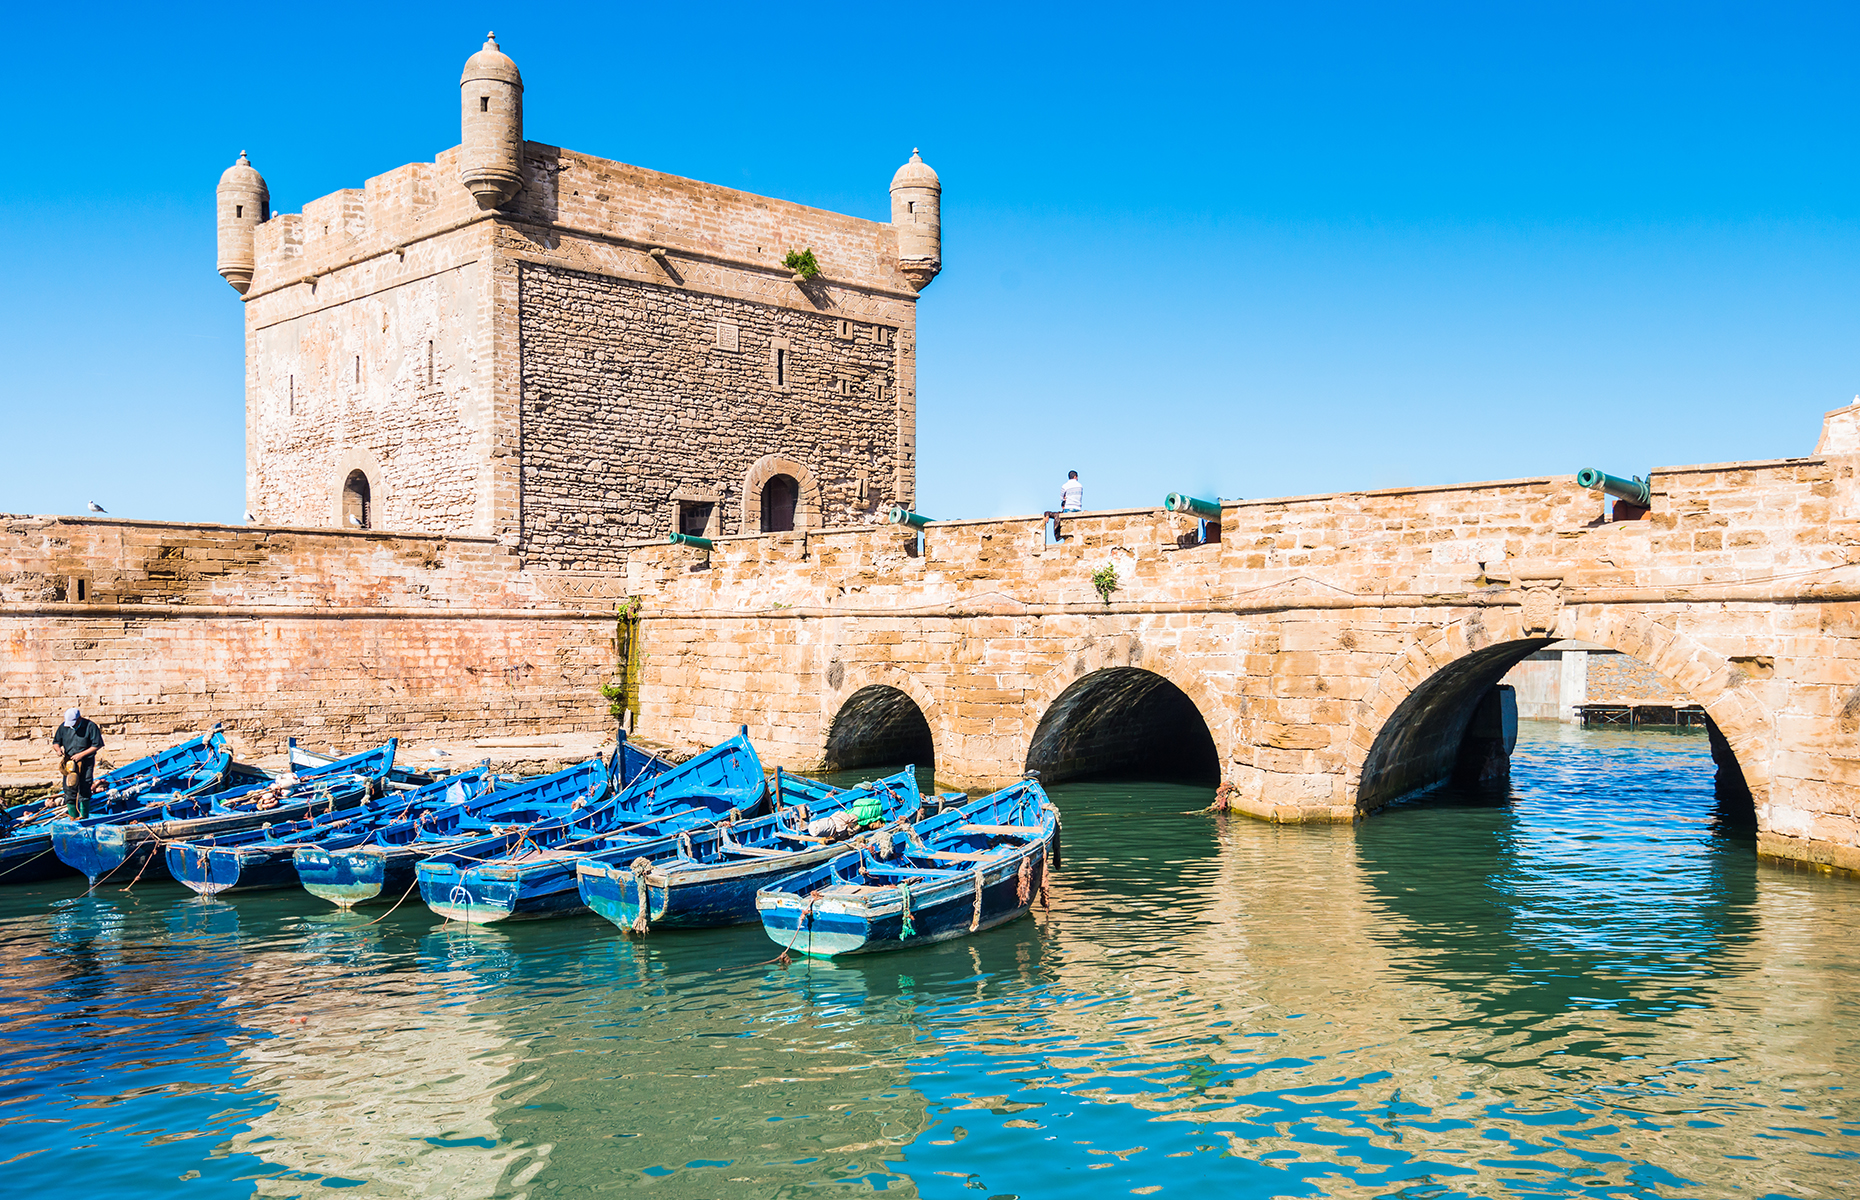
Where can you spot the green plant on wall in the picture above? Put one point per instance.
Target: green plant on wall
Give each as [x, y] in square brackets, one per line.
[622, 694]
[802, 263]
[1105, 580]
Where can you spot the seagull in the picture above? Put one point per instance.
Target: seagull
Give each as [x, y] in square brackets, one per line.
[356, 521]
[249, 518]
[96, 507]
[442, 753]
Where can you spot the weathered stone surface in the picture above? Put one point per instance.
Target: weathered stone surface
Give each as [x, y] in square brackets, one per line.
[1333, 645]
[339, 638]
[563, 371]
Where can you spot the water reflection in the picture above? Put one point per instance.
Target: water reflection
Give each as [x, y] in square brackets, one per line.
[1589, 988]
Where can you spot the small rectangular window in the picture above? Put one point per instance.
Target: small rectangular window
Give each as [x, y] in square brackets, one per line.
[484, 104]
[238, 210]
[910, 206]
[358, 370]
[293, 395]
[781, 368]
[694, 516]
[429, 362]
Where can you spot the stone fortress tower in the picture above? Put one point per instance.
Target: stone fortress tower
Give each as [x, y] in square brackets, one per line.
[569, 353]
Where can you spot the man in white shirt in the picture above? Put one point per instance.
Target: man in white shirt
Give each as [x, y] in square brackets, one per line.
[1072, 495]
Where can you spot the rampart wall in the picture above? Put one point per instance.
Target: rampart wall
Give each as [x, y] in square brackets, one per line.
[342, 638]
[1332, 644]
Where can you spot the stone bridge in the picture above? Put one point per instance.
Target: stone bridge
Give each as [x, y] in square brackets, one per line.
[1335, 648]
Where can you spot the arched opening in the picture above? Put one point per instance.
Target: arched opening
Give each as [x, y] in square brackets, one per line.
[880, 726]
[1460, 726]
[1124, 723]
[357, 502]
[779, 497]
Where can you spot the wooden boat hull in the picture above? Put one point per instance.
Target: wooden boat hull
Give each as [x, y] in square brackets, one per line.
[832, 929]
[213, 872]
[704, 880]
[486, 895]
[531, 874]
[359, 874]
[701, 899]
[27, 857]
[98, 850]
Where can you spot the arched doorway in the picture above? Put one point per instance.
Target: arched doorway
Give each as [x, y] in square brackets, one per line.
[1444, 731]
[779, 497]
[1124, 722]
[357, 502]
[880, 726]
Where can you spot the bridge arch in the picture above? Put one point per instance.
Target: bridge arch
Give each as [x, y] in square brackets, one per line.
[881, 717]
[1409, 728]
[1124, 721]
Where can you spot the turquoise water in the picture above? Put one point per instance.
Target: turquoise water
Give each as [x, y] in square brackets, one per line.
[1589, 990]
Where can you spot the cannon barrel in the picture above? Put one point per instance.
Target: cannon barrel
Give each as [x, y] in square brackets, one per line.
[692, 540]
[1180, 502]
[897, 514]
[1634, 491]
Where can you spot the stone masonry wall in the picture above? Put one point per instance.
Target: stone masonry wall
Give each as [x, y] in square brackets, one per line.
[341, 638]
[387, 328]
[1618, 678]
[633, 392]
[388, 383]
[1315, 639]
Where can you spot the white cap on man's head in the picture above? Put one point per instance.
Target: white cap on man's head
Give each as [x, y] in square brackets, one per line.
[71, 717]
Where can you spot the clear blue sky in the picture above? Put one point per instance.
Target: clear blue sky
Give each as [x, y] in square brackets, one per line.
[1245, 250]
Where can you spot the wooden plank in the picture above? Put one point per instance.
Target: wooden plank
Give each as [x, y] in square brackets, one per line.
[962, 855]
[1003, 830]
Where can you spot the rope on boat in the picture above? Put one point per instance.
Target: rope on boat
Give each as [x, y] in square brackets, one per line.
[684, 844]
[642, 924]
[1023, 883]
[18, 865]
[909, 927]
[1046, 900]
[390, 912]
[975, 916]
[882, 842]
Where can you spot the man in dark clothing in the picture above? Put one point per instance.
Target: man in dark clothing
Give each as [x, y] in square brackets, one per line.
[78, 741]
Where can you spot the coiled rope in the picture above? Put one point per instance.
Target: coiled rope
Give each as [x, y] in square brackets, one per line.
[642, 924]
[975, 916]
[909, 928]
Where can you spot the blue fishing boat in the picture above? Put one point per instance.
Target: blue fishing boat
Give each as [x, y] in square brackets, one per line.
[400, 776]
[531, 872]
[383, 864]
[710, 877]
[255, 859]
[196, 766]
[966, 869]
[122, 844]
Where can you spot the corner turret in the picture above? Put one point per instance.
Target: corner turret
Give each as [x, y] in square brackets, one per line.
[244, 204]
[491, 121]
[917, 213]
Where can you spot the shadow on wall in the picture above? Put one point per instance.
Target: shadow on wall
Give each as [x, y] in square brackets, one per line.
[1124, 723]
[1430, 738]
[880, 726]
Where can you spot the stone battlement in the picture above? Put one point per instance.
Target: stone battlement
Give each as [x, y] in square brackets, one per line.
[579, 195]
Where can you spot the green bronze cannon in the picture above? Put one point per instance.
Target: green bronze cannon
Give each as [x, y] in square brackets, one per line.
[1634, 491]
[897, 514]
[1180, 502]
[691, 540]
